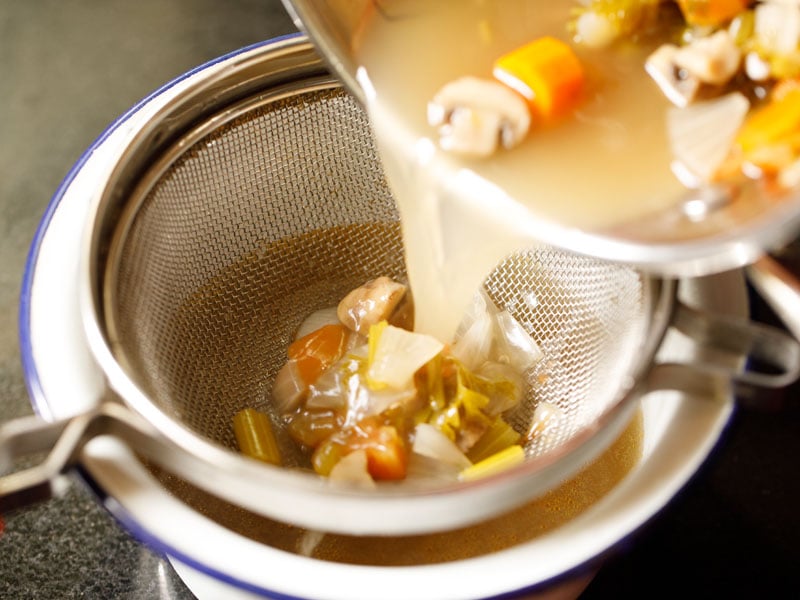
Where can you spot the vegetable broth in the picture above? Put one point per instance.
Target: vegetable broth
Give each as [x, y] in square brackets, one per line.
[607, 164]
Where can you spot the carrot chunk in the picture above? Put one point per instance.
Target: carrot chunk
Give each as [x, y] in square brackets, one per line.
[315, 352]
[776, 122]
[387, 457]
[711, 12]
[546, 72]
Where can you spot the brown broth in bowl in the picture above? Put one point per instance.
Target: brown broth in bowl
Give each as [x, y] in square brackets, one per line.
[519, 526]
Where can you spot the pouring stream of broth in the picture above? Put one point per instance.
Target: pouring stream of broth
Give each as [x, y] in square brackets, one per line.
[607, 164]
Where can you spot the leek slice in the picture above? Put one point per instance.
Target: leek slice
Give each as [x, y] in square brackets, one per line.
[499, 437]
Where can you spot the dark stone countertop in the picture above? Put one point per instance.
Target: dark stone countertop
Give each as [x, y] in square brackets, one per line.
[69, 68]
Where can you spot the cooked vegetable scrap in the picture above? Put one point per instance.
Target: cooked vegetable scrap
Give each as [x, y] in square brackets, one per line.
[731, 50]
[546, 72]
[701, 136]
[369, 304]
[718, 60]
[542, 80]
[385, 403]
[253, 431]
[546, 419]
[769, 141]
[475, 115]
[598, 23]
[505, 459]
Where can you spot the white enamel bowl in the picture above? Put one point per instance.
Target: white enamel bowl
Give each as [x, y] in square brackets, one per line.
[214, 562]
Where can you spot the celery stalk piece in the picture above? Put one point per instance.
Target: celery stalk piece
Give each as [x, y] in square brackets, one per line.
[496, 463]
[253, 431]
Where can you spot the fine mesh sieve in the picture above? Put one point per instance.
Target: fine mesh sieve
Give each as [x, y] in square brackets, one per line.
[258, 198]
[241, 233]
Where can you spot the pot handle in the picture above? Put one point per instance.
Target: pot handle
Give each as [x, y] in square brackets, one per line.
[754, 358]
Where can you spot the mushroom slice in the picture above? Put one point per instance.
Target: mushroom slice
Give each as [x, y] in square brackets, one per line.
[679, 86]
[713, 59]
[372, 302]
[475, 115]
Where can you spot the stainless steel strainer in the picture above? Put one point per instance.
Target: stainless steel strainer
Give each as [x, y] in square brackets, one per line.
[255, 198]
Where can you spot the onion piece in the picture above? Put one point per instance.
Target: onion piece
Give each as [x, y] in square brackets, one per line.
[425, 468]
[288, 389]
[316, 320]
[701, 135]
[364, 402]
[474, 345]
[330, 390]
[396, 354]
[546, 418]
[430, 442]
[487, 334]
[499, 400]
[352, 469]
[343, 387]
[515, 346]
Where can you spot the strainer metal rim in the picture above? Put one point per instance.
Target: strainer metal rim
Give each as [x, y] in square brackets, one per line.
[376, 509]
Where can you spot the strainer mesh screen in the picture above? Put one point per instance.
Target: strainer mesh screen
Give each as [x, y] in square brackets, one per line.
[280, 212]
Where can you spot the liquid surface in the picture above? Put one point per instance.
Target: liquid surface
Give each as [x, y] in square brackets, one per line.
[608, 163]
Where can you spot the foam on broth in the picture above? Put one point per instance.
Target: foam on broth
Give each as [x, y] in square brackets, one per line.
[608, 164]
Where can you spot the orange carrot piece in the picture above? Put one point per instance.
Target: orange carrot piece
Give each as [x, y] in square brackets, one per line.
[711, 12]
[387, 457]
[776, 121]
[318, 350]
[546, 72]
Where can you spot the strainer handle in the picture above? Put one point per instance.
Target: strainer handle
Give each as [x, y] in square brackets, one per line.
[63, 441]
[754, 358]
